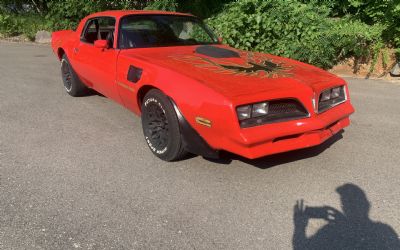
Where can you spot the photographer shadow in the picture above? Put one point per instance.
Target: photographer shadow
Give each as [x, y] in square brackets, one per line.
[350, 229]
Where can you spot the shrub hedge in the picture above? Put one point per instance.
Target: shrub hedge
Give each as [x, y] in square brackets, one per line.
[319, 32]
[293, 29]
[27, 24]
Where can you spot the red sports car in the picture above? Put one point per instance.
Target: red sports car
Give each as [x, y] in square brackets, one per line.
[195, 94]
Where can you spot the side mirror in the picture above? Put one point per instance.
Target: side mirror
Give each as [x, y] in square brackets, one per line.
[101, 44]
[220, 40]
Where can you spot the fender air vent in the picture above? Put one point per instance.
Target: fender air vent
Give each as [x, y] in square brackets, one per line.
[134, 74]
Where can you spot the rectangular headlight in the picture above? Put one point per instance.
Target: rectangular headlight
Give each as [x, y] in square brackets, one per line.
[259, 109]
[270, 111]
[331, 97]
[244, 112]
[326, 95]
[335, 93]
[252, 111]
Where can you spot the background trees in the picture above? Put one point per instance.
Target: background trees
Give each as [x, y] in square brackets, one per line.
[321, 32]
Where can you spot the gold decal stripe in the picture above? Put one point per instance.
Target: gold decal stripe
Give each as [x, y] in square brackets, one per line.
[203, 121]
[125, 86]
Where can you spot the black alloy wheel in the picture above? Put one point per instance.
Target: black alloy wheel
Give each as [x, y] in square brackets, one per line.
[161, 127]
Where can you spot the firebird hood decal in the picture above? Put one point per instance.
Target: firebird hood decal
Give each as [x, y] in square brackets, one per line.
[249, 74]
[254, 65]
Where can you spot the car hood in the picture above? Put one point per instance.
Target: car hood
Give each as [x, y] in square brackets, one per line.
[237, 72]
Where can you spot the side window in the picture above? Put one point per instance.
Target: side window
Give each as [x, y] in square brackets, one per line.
[137, 32]
[101, 28]
[90, 33]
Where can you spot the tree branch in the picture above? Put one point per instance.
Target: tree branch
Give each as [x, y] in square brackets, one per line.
[36, 6]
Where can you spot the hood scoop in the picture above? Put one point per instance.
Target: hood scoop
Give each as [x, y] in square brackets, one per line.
[216, 52]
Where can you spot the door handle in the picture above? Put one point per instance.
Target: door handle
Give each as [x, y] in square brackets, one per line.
[76, 50]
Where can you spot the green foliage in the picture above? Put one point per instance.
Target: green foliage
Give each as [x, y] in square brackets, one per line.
[276, 26]
[355, 38]
[168, 5]
[320, 32]
[382, 12]
[67, 14]
[14, 25]
[293, 29]
[202, 8]
[6, 25]
[24, 6]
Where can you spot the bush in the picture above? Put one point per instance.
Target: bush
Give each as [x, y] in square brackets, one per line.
[168, 5]
[293, 29]
[385, 13]
[14, 25]
[355, 38]
[7, 25]
[66, 14]
[202, 8]
[319, 32]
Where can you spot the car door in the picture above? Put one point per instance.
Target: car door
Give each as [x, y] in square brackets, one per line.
[97, 66]
[134, 32]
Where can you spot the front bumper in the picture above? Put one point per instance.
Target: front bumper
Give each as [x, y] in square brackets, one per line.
[276, 138]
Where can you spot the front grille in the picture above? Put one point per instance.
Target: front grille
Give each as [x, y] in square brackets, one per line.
[278, 111]
[325, 105]
[285, 106]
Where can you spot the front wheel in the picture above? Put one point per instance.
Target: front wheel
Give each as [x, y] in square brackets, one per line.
[72, 84]
[161, 127]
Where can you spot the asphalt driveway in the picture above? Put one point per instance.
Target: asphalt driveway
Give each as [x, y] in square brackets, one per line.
[75, 173]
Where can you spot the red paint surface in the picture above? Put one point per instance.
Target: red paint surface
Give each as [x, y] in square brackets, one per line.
[200, 89]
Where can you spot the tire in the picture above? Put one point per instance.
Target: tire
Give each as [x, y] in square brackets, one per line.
[161, 127]
[72, 84]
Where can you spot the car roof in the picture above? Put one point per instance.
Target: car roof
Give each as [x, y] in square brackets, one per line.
[121, 13]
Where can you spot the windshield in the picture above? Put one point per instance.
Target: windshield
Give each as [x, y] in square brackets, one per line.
[162, 31]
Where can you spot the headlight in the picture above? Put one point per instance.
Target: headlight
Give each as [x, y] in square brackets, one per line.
[335, 93]
[271, 111]
[254, 110]
[326, 95]
[259, 109]
[244, 112]
[331, 97]
[330, 94]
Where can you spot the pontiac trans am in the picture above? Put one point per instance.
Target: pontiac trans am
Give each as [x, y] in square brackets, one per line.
[196, 95]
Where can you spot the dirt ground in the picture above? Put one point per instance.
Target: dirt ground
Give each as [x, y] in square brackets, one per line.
[381, 69]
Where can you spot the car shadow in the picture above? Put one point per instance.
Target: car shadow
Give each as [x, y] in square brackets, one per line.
[350, 228]
[92, 92]
[281, 158]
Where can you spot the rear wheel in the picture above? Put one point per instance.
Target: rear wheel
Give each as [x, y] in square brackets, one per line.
[161, 127]
[72, 84]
